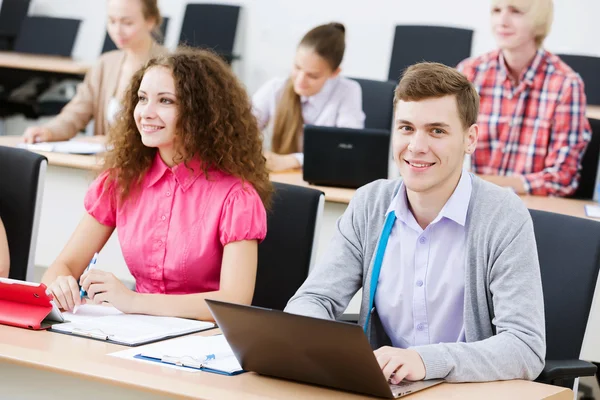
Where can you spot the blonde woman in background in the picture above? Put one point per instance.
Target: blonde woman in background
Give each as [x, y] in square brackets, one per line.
[314, 94]
[532, 125]
[132, 25]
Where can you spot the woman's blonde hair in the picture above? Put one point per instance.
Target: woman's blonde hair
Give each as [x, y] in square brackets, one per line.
[151, 12]
[329, 42]
[540, 13]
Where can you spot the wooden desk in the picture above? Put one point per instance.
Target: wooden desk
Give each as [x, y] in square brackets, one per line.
[72, 367]
[68, 177]
[593, 112]
[32, 62]
[89, 163]
[332, 194]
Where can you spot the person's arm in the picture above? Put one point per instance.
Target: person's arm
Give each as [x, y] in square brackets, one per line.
[338, 276]
[569, 136]
[238, 276]
[515, 182]
[261, 103]
[350, 113]
[4, 253]
[283, 162]
[89, 237]
[517, 348]
[80, 110]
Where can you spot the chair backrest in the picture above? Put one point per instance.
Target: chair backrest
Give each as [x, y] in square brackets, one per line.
[589, 165]
[288, 251]
[21, 190]
[377, 102]
[569, 254]
[587, 67]
[416, 43]
[47, 35]
[211, 26]
[109, 45]
[12, 14]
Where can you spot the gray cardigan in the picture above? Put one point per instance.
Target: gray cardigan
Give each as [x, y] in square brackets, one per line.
[503, 305]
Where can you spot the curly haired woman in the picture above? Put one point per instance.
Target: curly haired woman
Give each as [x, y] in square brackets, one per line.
[186, 188]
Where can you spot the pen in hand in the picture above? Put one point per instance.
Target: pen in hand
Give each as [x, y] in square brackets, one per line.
[82, 292]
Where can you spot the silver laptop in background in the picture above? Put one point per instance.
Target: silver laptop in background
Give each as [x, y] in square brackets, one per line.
[304, 349]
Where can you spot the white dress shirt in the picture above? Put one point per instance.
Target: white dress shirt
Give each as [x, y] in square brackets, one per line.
[420, 292]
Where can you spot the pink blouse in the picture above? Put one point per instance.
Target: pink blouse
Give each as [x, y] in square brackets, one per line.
[173, 231]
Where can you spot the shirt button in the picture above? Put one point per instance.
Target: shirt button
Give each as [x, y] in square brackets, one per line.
[422, 240]
[419, 283]
[160, 242]
[163, 217]
[420, 327]
[168, 193]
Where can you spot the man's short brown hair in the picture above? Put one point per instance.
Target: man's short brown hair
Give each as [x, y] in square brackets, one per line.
[431, 80]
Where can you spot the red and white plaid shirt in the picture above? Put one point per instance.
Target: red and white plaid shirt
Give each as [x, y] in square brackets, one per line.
[537, 130]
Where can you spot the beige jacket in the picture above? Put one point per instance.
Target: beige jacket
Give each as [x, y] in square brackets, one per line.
[92, 97]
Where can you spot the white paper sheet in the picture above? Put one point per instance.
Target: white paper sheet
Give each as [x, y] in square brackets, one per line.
[128, 329]
[592, 211]
[69, 146]
[196, 348]
[87, 311]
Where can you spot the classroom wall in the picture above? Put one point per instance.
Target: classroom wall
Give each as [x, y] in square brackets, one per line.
[271, 28]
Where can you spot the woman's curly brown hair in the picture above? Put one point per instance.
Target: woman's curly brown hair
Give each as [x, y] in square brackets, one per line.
[215, 124]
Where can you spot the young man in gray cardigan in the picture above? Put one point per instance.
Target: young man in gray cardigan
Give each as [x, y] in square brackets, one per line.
[447, 262]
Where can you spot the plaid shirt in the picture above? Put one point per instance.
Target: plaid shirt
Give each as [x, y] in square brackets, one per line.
[537, 130]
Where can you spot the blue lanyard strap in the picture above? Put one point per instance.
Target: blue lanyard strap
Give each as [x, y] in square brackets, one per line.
[383, 241]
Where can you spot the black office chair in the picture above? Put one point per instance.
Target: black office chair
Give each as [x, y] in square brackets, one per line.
[569, 254]
[47, 35]
[38, 35]
[21, 191]
[212, 26]
[12, 14]
[587, 67]
[377, 102]
[109, 45]
[589, 165]
[288, 251]
[416, 43]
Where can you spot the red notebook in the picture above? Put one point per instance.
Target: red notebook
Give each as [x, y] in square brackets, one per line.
[27, 305]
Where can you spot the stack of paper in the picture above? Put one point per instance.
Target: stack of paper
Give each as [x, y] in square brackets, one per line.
[107, 323]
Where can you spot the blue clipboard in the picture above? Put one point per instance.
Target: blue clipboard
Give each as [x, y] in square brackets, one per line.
[196, 368]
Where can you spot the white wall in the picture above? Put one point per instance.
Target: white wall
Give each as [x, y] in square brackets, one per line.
[271, 29]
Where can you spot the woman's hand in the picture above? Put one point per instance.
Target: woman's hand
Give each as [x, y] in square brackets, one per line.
[281, 162]
[36, 134]
[102, 286]
[65, 291]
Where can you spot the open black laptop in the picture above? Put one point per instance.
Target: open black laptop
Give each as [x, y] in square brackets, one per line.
[345, 157]
[304, 349]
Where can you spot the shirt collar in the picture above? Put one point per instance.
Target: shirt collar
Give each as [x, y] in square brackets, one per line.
[455, 208]
[185, 175]
[318, 100]
[529, 74]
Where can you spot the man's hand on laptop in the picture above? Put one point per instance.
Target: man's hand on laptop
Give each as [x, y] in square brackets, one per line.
[399, 364]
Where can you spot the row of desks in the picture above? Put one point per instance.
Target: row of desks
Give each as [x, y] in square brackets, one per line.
[68, 177]
[36, 364]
